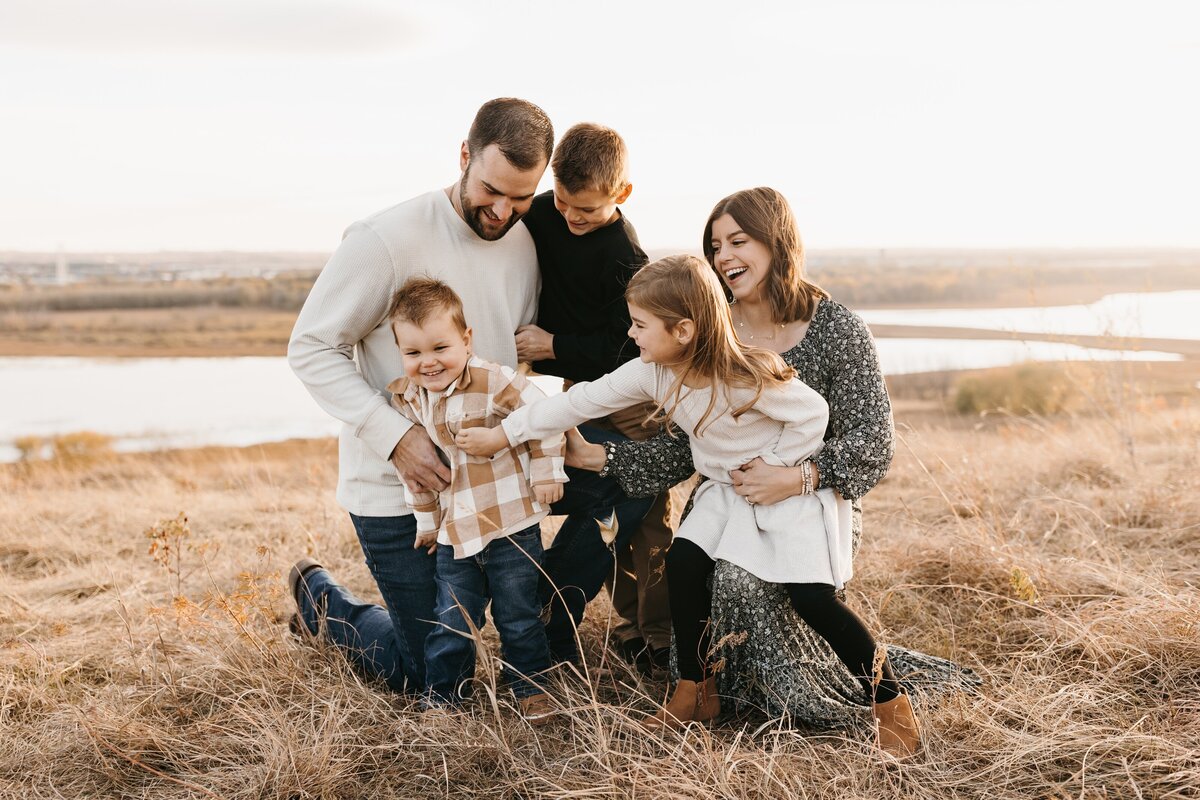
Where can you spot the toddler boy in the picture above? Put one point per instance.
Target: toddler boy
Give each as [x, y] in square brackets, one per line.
[484, 526]
[587, 252]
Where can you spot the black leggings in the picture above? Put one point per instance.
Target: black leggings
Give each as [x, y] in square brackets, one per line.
[688, 571]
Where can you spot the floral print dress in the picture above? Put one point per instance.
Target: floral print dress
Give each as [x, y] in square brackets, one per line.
[768, 659]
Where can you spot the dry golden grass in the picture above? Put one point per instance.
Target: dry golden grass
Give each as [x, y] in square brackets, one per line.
[1057, 557]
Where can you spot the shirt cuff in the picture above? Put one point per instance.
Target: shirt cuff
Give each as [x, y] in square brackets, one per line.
[383, 430]
[610, 450]
[508, 434]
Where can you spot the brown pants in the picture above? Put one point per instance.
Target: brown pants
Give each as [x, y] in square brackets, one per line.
[638, 587]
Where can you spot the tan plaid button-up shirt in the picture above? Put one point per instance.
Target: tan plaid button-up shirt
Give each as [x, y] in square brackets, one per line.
[487, 497]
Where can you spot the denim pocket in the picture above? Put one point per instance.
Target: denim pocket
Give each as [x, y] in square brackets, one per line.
[529, 541]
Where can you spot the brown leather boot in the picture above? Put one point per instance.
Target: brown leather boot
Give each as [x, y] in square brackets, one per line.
[691, 702]
[680, 709]
[537, 709]
[708, 705]
[898, 732]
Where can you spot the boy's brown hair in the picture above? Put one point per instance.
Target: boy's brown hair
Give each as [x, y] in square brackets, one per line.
[591, 156]
[419, 298]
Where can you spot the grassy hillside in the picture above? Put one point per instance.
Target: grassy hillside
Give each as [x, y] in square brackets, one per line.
[1059, 557]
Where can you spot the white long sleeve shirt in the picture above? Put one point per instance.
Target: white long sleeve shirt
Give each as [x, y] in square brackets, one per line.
[801, 539]
[788, 420]
[342, 348]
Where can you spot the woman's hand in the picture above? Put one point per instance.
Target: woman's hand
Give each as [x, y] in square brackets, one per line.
[534, 344]
[426, 541]
[484, 442]
[582, 454]
[762, 484]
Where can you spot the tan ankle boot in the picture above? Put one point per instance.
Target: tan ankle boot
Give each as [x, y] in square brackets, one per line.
[708, 705]
[691, 702]
[681, 708]
[898, 731]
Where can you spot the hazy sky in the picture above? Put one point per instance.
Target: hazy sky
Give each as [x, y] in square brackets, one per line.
[273, 124]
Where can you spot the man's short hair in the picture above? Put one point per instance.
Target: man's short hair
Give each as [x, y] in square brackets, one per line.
[420, 298]
[591, 156]
[520, 129]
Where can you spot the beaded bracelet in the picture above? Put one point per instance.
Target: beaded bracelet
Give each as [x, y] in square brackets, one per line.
[610, 449]
[806, 472]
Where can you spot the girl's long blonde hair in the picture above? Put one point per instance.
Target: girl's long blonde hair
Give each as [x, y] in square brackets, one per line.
[682, 287]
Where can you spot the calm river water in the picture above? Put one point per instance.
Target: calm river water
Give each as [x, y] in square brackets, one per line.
[1148, 315]
[155, 403]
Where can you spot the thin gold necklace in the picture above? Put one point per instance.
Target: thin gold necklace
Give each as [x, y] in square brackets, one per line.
[749, 332]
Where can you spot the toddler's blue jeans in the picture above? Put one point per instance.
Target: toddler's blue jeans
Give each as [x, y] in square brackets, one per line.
[505, 573]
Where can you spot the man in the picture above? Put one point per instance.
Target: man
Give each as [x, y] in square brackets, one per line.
[343, 350]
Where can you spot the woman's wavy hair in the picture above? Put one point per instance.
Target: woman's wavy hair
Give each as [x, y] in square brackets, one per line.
[765, 216]
[682, 287]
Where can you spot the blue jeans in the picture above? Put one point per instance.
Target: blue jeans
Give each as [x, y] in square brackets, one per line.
[506, 574]
[367, 633]
[577, 564]
[578, 561]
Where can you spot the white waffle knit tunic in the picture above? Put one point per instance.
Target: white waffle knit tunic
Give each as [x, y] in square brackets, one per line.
[802, 539]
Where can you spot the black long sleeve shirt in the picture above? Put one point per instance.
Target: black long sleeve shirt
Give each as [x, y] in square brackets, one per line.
[583, 291]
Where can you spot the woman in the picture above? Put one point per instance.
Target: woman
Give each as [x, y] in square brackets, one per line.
[772, 660]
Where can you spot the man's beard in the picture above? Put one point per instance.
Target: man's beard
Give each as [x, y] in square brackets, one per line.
[474, 215]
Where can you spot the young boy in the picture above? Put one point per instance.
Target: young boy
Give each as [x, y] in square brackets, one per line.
[484, 526]
[587, 252]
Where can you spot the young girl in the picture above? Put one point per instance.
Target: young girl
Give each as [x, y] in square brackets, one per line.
[737, 403]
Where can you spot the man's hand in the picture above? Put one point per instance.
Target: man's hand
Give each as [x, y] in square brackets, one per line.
[416, 459]
[427, 541]
[484, 442]
[582, 454]
[534, 344]
[548, 493]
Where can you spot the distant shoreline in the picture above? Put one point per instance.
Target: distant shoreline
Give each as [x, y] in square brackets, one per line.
[152, 346]
[255, 316]
[1185, 347]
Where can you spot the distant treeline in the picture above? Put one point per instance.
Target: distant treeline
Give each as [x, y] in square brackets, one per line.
[856, 286]
[283, 292]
